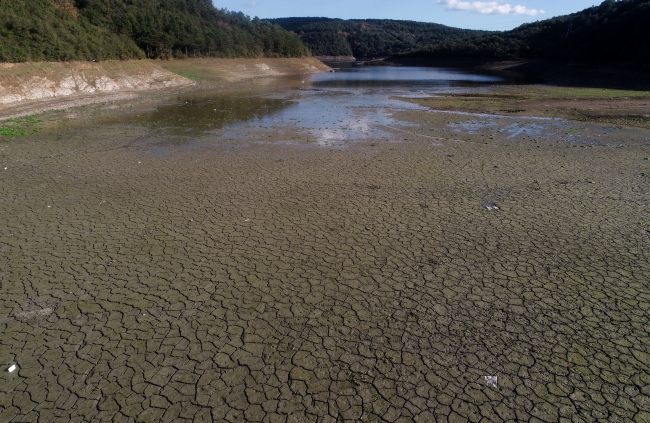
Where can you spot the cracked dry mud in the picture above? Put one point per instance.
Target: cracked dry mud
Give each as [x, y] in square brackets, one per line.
[285, 283]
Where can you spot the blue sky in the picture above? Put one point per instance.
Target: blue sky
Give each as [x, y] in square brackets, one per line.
[474, 14]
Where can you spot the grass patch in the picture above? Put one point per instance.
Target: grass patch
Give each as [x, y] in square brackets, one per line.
[13, 131]
[188, 76]
[26, 119]
[19, 127]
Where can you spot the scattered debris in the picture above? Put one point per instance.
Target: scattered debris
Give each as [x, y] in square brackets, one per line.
[491, 381]
[489, 206]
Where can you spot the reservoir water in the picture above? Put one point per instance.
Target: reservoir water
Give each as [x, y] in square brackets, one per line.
[330, 109]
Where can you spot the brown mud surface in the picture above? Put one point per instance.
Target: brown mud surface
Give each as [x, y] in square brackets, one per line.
[148, 274]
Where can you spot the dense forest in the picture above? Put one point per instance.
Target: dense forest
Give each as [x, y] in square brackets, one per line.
[369, 38]
[614, 32]
[62, 30]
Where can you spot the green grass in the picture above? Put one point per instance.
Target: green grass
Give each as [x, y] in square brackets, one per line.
[13, 131]
[25, 119]
[188, 76]
[19, 127]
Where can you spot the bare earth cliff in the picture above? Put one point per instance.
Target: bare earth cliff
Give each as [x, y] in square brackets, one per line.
[69, 84]
[39, 81]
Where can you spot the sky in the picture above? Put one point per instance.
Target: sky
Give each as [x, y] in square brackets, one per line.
[487, 14]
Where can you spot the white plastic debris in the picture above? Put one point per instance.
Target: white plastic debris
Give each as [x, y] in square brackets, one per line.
[491, 381]
[12, 368]
[489, 206]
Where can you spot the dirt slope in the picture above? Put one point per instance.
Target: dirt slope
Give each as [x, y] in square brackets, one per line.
[39, 81]
[39, 86]
[236, 70]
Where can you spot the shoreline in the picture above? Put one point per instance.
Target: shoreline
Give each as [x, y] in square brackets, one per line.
[28, 88]
[576, 104]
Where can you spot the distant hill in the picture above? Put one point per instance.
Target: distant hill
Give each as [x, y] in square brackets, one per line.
[613, 32]
[371, 37]
[62, 30]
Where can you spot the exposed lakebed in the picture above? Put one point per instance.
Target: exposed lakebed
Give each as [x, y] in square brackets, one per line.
[326, 250]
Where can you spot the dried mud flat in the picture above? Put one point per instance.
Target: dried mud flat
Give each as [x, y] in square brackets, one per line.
[147, 276]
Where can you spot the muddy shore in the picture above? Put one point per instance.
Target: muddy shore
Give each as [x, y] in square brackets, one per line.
[615, 107]
[28, 88]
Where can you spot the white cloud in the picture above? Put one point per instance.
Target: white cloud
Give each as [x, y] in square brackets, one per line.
[489, 8]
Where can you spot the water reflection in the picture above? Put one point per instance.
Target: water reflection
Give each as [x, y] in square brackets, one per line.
[332, 109]
[331, 118]
[347, 76]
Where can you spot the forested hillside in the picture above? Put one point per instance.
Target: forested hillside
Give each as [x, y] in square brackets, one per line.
[613, 32]
[41, 30]
[55, 30]
[369, 38]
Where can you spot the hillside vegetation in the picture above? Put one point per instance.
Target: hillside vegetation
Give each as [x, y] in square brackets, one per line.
[613, 32]
[63, 30]
[371, 37]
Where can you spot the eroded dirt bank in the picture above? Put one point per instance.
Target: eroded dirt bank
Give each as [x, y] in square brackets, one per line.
[27, 88]
[237, 70]
[39, 81]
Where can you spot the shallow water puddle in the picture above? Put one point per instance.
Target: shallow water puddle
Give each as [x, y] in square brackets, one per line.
[331, 118]
[329, 109]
